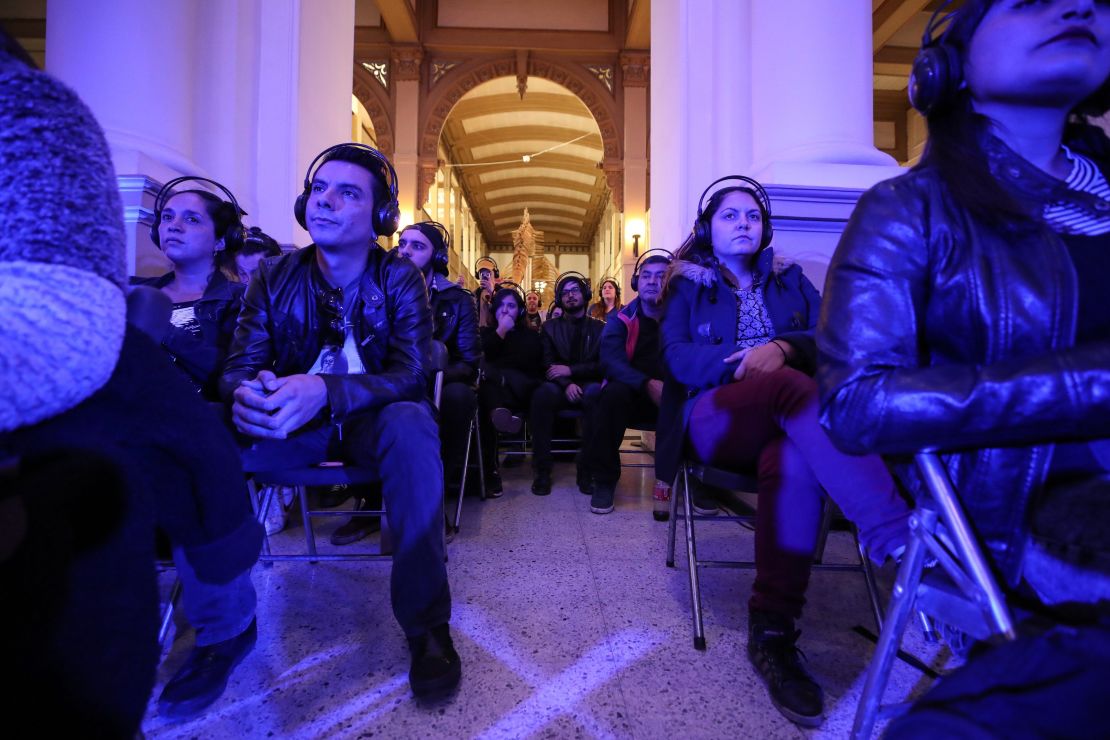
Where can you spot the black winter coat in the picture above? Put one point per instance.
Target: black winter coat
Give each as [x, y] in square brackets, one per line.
[940, 333]
[280, 330]
[455, 320]
[202, 358]
[558, 336]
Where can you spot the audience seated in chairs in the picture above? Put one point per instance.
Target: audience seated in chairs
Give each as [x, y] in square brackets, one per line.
[101, 439]
[738, 333]
[633, 387]
[200, 234]
[608, 302]
[329, 362]
[572, 368]
[964, 308]
[512, 368]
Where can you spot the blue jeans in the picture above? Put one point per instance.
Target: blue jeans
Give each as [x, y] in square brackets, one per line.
[400, 441]
[217, 611]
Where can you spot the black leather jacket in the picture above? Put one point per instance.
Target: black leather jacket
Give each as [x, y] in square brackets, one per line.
[202, 358]
[279, 330]
[558, 335]
[937, 333]
[455, 319]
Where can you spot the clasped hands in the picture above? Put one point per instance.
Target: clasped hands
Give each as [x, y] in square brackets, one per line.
[272, 408]
[761, 360]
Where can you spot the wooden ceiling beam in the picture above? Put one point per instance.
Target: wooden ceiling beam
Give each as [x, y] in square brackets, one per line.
[400, 20]
[891, 16]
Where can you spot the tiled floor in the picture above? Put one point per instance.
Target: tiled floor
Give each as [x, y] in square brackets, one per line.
[568, 623]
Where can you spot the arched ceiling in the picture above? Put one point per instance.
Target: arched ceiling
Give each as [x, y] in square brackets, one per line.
[489, 132]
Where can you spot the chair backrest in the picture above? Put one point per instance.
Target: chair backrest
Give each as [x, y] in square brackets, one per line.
[437, 363]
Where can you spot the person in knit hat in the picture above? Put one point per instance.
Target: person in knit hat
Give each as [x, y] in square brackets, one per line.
[101, 439]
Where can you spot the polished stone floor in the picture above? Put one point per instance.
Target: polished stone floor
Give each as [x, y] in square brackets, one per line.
[569, 625]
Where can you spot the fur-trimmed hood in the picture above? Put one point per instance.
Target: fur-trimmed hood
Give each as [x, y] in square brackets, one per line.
[768, 263]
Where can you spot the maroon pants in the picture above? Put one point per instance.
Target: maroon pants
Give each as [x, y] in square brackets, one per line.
[768, 424]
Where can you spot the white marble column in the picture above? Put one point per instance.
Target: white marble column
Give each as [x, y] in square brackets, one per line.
[812, 90]
[700, 100]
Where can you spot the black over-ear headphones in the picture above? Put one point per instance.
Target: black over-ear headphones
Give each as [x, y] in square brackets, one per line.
[234, 233]
[703, 232]
[508, 286]
[440, 252]
[640, 263]
[386, 217]
[566, 277]
[937, 72]
[493, 263]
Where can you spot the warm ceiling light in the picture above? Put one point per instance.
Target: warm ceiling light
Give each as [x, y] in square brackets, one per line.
[526, 158]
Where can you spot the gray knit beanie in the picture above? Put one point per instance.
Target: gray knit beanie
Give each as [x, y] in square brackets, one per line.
[62, 248]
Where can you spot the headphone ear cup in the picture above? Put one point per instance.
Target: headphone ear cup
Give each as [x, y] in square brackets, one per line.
[299, 207]
[234, 237]
[636, 280]
[387, 219]
[701, 231]
[934, 78]
[768, 231]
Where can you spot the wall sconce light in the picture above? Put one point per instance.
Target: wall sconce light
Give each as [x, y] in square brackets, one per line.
[635, 245]
[633, 229]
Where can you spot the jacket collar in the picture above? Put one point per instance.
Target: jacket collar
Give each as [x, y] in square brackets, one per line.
[766, 265]
[1031, 185]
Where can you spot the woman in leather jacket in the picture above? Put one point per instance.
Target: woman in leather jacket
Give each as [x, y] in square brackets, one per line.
[964, 309]
[737, 337]
[455, 323]
[194, 228]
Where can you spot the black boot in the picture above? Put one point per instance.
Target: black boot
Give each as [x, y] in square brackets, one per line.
[436, 668]
[773, 652]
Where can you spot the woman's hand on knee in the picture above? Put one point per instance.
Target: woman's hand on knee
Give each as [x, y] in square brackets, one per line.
[761, 360]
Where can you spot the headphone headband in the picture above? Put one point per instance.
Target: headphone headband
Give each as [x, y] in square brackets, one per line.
[392, 184]
[166, 192]
[234, 233]
[760, 192]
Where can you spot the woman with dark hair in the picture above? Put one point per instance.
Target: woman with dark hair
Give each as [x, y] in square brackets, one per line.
[737, 337]
[608, 300]
[199, 234]
[964, 308]
[511, 370]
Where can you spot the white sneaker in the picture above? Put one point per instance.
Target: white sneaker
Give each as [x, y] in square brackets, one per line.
[276, 517]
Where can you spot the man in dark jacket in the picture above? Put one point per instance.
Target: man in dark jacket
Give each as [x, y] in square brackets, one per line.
[633, 389]
[329, 361]
[572, 366]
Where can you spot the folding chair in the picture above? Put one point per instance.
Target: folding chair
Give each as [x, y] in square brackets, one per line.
[962, 592]
[736, 481]
[473, 442]
[264, 484]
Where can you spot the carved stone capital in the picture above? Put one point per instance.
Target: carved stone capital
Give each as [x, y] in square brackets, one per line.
[428, 172]
[635, 68]
[406, 62]
[614, 176]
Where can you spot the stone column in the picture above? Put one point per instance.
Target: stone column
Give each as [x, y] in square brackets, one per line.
[635, 75]
[405, 77]
[700, 118]
[812, 91]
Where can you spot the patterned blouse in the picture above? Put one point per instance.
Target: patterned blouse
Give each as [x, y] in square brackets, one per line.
[753, 323]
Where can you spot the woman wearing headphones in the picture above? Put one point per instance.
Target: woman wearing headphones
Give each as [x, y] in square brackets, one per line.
[199, 233]
[965, 308]
[738, 335]
[512, 367]
[608, 301]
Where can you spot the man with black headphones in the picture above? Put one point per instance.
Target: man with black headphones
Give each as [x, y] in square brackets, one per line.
[329, 361]
[633, 390]
[573, 370]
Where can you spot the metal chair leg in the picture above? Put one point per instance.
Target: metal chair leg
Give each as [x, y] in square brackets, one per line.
[672, 522]
[309, 533]
[890, 637]
[478, 446]
[869, 580]
[692, 562]
[167, 613]
[465, 475]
